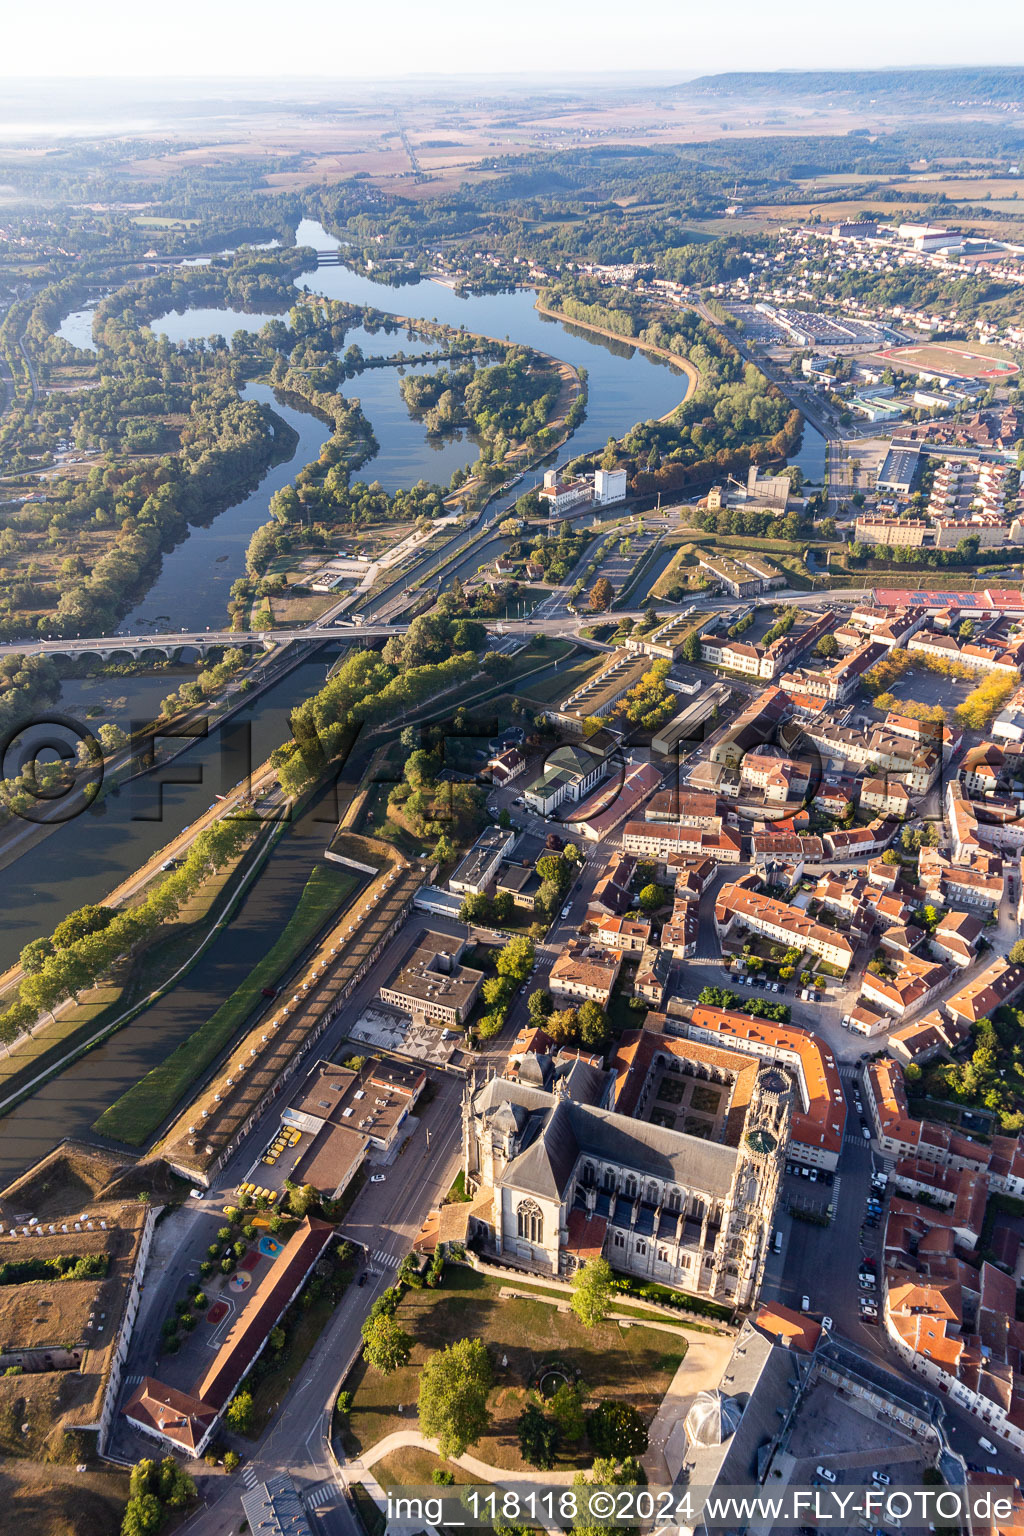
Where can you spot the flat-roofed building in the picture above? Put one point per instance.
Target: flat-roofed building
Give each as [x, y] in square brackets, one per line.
[431, 984]
[477, 870]
[899, 470]
[521, 882]
[730, 575]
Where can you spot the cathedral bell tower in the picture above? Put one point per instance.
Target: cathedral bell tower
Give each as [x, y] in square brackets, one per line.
[746, 1231]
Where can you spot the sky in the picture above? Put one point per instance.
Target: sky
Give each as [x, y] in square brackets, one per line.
[353, 38]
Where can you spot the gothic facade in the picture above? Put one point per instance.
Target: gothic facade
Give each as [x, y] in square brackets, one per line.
[557, 1179]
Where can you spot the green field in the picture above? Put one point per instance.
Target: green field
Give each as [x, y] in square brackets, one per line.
[137, 1114]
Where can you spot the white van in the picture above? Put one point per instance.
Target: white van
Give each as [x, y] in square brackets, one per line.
[987, 1445]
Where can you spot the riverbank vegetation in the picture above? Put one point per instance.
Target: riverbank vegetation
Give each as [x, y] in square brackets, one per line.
[733, 418]
[140, 1112]
[371, 687]
[505, 406]
[81, 950]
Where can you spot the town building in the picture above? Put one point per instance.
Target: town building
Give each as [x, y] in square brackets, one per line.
[475, 874]
[585, 972]
[431, 984]
[738, 906]
[569, 773]
[187, 1421]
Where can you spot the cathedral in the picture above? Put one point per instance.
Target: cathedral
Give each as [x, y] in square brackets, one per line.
[668, 1165]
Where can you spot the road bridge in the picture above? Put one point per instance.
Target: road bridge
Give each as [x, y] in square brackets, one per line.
[201, 641]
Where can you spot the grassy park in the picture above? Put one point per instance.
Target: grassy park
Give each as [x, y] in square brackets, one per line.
[633, 1364]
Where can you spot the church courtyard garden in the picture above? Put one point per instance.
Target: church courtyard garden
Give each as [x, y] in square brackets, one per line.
[528, 1341]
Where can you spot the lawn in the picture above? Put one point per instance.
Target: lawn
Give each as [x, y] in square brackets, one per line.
[634, 1364]
[270, 1391]
[54, 1500]
[413, 1467]
[139, 1112]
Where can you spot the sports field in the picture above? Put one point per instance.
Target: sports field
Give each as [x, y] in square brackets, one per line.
[947, 358]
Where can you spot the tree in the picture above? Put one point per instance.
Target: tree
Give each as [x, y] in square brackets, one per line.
[538, 1437]
[567, 1410]
[35, 955]
[652, 897]
[112, 738]
[539, 1006]
[239, 1415]
[386, 1346]
[591, 1292]
[175, 1488]
[77, 925]
[516, 958]
[454, 1384]
[592, 1024]
[618, 1429]
[602, 594]
[475, 908]
[1017, 952]
[827, 646]
[143, 1516]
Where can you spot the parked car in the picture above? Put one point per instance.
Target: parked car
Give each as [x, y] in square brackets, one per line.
[805, 1304]
[881, 1477]
[826, 1473]
[378, 1178]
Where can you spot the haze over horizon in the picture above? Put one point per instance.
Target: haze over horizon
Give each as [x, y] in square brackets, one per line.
[316, 41]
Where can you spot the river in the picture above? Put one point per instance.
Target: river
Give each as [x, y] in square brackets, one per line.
[69, 1104]
[87, 858]
[91, 854]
